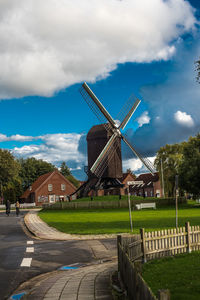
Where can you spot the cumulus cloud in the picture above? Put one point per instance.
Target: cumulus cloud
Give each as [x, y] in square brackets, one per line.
[136, 165]
[54, 148]
[183, 119]
[49, 45]
[143, 119]
[173, 103]
[17, 137]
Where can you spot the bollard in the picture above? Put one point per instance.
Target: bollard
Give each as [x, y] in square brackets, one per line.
[163, 295]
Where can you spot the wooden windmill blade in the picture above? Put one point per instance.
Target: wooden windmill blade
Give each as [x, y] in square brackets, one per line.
[100, 161]
[99, 109]
[129, 114]
[144, 160]
[99, 171]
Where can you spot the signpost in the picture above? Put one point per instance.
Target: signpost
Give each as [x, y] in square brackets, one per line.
[129, 200]
[129, 203]
[135, 182]
[177, 194]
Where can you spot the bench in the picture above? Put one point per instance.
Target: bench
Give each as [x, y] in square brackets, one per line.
[145, 205]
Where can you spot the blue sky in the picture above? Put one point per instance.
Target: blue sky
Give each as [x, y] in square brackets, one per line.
[48, 48]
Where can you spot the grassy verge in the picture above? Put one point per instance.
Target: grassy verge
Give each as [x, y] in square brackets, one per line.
[100, 221]
[179, 274]
[109, 198]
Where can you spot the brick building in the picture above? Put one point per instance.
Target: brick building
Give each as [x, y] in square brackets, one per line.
[49, 188]
[115, 191]
[147, 185]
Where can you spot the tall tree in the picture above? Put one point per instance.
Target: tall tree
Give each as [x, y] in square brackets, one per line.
[189, 169]
[64, 170]
[32, 168]
[9, 174]
[169, 158]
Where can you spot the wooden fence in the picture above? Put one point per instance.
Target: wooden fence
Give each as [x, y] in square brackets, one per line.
[156, 244]
[111, 203]
[150, 245]
[133, 282]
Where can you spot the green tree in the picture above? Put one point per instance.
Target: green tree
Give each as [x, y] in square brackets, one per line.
[32, 168]
[170, 157]
[73, 180]
[64, 170]
[189, 169]
[9, 175]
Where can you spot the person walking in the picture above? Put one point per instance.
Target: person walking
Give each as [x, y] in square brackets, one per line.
[17, 206]
[7, 208]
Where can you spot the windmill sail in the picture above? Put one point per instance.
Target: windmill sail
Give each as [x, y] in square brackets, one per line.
[99, 105]
[109, 149]
[104, 154]
[129, 114]
[144, 160]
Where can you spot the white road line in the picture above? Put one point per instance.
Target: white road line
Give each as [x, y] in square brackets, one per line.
[30, 249]
[30, 242]
[26, 262]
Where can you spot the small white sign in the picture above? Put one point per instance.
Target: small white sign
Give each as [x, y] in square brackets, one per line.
[134, 182]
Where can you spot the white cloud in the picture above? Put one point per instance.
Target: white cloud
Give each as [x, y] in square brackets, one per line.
[54, 148]
[48, 45]
[136, 165]
[183, 119]
[143, 119]
[17, 137]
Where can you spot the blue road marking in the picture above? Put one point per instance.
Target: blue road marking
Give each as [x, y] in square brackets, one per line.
[18, 296]
[68, 268]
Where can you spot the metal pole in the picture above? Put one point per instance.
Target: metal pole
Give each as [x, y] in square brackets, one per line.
[129, 204]
[176, 189]
[163, 184]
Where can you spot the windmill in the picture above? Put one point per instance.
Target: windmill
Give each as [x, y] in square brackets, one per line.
[104, 143]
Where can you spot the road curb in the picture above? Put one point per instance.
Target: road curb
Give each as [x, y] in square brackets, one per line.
[54, 234]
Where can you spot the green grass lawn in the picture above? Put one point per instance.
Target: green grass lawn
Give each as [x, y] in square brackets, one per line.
[110, 198]
[100, 221]
[179, 274]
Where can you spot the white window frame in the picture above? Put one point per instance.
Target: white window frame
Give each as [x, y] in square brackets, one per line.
[50, 187]
[63, 187]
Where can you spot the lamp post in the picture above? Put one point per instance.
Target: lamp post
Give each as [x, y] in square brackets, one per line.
[129, 205]
[163, 184]
[177, 194]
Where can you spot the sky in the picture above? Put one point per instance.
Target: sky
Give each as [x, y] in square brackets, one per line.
[119, 47]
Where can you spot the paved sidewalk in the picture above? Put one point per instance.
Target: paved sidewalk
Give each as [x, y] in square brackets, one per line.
[40, 229]
[91, 282]
[86, 283]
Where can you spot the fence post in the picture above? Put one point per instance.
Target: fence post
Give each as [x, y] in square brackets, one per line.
[143, 246]
[119, 242]
[163, 295]
[187, 229]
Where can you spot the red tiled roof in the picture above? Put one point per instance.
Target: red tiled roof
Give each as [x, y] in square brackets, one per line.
[125, 175]
[40, 181]
[36, 184]
[147, 177]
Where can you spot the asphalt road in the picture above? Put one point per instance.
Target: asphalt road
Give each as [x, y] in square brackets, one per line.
[47, 256]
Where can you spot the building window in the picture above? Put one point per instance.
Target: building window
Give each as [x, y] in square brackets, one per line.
[50, 187]
[63, 187]
[42, 199]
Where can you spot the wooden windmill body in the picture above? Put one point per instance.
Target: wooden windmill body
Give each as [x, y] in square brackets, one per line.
[104, 146]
